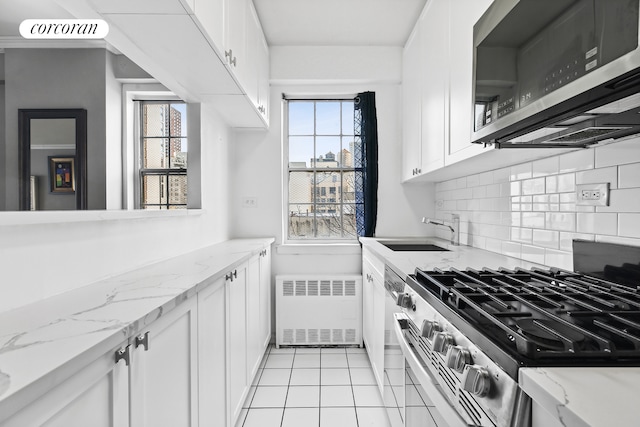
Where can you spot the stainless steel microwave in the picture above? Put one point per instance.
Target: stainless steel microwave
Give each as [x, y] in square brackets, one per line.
[556, 73]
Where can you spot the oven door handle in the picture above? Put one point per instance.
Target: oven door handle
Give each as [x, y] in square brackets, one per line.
[426, 380]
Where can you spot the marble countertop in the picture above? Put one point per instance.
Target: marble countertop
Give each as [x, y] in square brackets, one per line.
[47, 341]
[405, 262]
[576, 397]
[585, 397]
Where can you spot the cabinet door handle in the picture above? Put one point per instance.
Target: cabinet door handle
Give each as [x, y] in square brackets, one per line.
[143, 340]
[235, 273]
[123, 354]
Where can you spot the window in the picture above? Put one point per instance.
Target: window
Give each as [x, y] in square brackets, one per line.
[163, 155]
[321, 163]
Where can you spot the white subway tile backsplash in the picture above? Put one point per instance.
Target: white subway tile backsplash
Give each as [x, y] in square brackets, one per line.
[625, 200]
[551, 184]
[516, 188]
[501, 175]
[560, 221]
[533, 186]
[544, 167]
[560, 259]
[479, 192]
[521, 171]
[513, 249]
[609, 175]
[546, 238]
[566, 183]
[629, 175]
[533, 219]
[533, 254]
[628, 225]
[597, 223]
[577, 160]
[529, 211]
[618, 153]
[566, 239]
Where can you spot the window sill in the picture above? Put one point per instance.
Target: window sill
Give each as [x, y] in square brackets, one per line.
[316, 248]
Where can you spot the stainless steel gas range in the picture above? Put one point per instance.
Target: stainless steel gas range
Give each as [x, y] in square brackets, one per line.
[465, 333]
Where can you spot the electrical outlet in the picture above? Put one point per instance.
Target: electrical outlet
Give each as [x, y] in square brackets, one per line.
[592, 194]
[249, 202]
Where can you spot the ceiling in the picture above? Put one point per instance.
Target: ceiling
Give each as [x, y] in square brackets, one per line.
[338, 22]
[13, 12]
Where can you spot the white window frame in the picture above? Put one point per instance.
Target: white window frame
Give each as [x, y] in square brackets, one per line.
[350, 242]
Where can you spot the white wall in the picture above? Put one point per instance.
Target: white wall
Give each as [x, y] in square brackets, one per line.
[258, 163]
[529, 211]
[50, 257]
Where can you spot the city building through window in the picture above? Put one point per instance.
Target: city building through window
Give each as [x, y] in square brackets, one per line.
[321, 200]
[163, 156]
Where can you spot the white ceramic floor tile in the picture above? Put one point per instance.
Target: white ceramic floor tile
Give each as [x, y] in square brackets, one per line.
[338, 395]
[356, 350]
[396, 420]
[279, 361]
[372, 417]
[264, 417]
[306, 396]
[249, 399]
[305, 376]
[333, 417]
[358, 360]
[269, 397]
[362, 376]
[275, 377]
[367, 395]
[419, 415]
[413, 397]
[297, 417]
[308, 350]
[333, 360]
[336, 376]
[332, 350]
[307, 361]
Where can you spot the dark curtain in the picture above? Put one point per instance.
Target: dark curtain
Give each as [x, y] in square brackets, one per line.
[366, 163]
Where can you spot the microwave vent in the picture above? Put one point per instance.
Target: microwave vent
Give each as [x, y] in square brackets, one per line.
[589, 133]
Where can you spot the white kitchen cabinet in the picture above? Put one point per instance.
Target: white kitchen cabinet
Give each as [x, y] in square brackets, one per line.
[262, 67]
[265, 298]
[412, 106]
[211, 14]
[97, 395]
[463, 15]
[373, 313]
[255, 350]
[212, 355]
[437, 73]
[237, 377]
[164, 372]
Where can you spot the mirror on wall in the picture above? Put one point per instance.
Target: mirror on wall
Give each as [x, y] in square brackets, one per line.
[53, 158]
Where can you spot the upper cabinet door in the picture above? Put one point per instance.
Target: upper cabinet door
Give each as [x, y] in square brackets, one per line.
[411, 106]
[435, 59]
[464, 14]
[210, 13]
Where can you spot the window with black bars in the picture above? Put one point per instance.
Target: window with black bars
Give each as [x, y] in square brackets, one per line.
[322, 202]
[163, 155]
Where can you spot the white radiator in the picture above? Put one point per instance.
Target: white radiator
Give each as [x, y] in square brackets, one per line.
[318, 310]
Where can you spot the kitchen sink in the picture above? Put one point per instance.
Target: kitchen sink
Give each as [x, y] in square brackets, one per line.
[416, 247]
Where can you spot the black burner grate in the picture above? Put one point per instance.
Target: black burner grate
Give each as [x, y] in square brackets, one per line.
[544, 317]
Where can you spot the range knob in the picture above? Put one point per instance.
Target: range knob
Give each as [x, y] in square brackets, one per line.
[429, 328]
[458, 357]
[476, 380]
[406, 301]
[442, 341]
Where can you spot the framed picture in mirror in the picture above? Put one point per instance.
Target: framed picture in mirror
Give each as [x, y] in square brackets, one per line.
[62, 174]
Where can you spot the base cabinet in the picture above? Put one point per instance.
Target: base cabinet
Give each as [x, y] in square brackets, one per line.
[373, 313]
[191, 367]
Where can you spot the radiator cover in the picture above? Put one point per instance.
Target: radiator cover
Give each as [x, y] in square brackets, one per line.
[317, 310]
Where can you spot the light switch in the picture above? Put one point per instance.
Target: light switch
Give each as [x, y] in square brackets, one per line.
[249, 202]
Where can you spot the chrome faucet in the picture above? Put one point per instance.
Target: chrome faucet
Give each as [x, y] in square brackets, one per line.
[455, 230]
